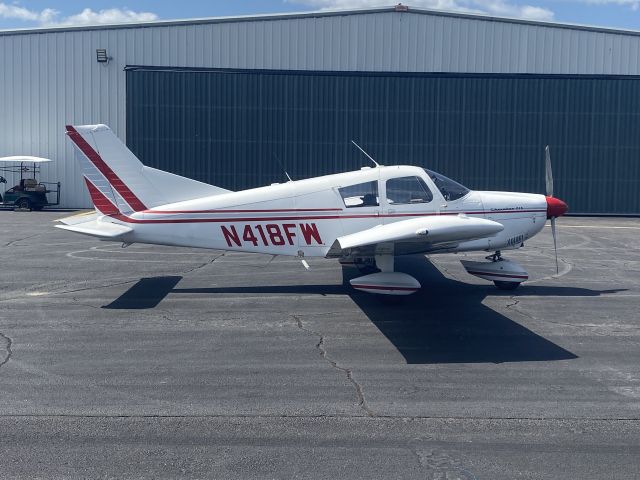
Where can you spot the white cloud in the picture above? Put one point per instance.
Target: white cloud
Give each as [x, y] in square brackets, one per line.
[17, 12]
[49, 17]
[633, 4]
[505, 9]
[493, 7]
[109, 15]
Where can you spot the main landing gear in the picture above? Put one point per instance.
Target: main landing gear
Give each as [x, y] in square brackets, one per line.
[505, 274]
[384, 281]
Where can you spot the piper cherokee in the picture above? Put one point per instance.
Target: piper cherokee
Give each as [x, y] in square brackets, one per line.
[363, 218]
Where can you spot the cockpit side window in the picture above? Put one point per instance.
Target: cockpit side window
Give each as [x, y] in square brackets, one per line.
[403, 190]
[360, 195]
[450, 190]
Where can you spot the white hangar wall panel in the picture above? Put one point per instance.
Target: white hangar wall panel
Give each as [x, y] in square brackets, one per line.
[50, 77]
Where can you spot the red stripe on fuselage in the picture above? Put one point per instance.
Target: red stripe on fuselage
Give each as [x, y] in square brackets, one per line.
[222, 211]
[165, 212]
[298, 218]
[93, 156]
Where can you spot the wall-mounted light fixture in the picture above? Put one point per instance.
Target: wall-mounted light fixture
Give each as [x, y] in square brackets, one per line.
[101, 55]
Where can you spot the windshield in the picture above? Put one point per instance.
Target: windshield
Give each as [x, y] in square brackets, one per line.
[450, 190]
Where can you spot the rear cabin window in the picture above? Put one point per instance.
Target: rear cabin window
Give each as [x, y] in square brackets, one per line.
[360, 195]
[408, 190]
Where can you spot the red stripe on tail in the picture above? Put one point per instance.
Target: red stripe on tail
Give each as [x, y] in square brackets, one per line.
[109, 174]
[102, 203]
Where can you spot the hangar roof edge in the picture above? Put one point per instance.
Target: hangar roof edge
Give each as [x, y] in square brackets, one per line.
[317, 14]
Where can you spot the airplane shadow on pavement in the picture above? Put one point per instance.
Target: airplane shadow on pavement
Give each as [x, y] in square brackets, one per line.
[445, 322]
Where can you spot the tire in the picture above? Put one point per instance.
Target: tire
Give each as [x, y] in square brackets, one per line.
[23, 203]
[506, 285]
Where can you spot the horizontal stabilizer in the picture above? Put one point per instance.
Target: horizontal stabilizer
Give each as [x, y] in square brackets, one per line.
[79, 218]
[98, 229]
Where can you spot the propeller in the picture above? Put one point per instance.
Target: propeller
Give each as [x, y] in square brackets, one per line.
[555, 241]
[555, 206]
[548, 173]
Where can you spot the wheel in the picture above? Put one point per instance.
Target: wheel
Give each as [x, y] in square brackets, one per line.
[24, 203]
[506, 285]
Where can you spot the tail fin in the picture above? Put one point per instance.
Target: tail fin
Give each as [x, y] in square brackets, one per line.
[119, 183]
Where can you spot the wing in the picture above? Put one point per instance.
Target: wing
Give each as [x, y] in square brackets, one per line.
[417, 235]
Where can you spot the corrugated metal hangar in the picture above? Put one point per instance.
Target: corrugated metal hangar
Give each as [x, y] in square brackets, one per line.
[230, 101]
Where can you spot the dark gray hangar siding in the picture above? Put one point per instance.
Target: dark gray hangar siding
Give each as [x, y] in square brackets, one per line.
[239, 128]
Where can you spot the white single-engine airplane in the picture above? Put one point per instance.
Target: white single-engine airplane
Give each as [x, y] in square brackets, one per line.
[363, 218]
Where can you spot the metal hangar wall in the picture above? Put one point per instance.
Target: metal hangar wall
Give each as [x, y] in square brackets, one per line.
[475, 96]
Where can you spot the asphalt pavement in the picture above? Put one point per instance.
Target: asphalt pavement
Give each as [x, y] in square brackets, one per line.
[160, 362]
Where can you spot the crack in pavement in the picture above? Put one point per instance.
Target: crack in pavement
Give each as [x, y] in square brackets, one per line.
[7, 347]
[113, 283]
[362, 402]
[208, 262]
[514, 308]
[266, 265]
[10, 243]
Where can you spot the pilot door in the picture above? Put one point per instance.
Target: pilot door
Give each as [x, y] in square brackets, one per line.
[407, 196]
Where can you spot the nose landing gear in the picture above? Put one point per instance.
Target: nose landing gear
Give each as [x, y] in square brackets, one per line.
[505, 274]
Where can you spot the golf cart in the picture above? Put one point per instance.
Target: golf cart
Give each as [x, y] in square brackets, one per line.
[29, 194]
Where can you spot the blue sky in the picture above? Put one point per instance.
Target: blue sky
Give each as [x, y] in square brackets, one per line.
[36, 13]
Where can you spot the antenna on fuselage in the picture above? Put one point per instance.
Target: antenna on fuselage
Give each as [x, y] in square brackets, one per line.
[368, 156]
[282, 166]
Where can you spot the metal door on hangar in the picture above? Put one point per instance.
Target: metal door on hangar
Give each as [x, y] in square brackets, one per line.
[241, 128]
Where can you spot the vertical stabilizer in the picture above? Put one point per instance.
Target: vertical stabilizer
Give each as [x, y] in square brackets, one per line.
[119, 183]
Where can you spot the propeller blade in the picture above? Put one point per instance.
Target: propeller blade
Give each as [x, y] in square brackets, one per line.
[555, 243]
[547, 172]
